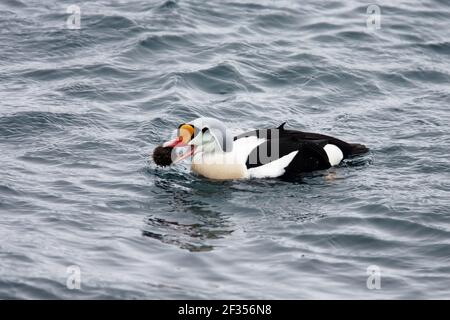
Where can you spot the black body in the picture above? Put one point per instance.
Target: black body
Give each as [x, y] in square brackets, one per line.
[311, 155]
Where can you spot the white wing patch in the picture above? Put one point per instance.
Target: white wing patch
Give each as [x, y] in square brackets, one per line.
[272, 169]
[334, 154]
[243, 146]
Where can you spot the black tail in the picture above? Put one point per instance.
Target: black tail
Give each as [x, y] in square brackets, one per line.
[356, 149]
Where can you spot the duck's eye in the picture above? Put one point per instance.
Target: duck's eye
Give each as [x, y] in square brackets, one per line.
[204, 130]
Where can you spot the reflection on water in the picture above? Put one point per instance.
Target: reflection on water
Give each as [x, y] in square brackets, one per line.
[194, 200]
[193, 237]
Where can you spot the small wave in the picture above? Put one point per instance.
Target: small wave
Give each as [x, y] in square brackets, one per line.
[50, 74]
[425, 75]
[114, 22]
[437, 47]
[317, 27]
[13, 3]
[8, 191]
[355, 35]
[397, 78]
[275, 21]
[169, 5]
[220, 79]
[166, 42]
[29, 124]
[80, 89]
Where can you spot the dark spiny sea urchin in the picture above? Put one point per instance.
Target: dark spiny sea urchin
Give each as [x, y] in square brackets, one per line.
[162, 156]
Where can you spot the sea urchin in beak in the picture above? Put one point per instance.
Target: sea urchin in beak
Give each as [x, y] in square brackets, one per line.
[163, 156]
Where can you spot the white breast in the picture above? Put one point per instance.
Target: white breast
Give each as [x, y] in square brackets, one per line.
[226, 165]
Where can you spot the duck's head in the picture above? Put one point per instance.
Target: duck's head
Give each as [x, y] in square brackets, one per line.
[203, 135]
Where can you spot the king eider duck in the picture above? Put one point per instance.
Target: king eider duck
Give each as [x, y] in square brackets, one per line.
[262, 153]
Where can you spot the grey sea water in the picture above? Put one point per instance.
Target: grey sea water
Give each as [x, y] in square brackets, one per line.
[81, 110]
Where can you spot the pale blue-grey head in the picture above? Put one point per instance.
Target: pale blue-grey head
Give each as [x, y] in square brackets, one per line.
[217, 129]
